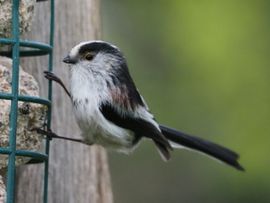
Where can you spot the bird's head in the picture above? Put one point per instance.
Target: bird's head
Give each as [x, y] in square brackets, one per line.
[102, 63]
[95, 54]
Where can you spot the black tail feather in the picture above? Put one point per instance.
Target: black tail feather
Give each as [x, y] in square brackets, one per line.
[221, 153]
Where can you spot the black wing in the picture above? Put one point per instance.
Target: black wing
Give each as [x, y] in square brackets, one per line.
[139, 126]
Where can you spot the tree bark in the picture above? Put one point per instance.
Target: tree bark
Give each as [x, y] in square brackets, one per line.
[77, 173]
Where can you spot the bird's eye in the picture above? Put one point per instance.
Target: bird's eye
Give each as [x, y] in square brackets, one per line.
[89, 56]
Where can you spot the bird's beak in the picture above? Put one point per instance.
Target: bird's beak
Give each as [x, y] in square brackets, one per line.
[69, 60]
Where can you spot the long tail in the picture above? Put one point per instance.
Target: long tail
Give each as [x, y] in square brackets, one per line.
[198, 144]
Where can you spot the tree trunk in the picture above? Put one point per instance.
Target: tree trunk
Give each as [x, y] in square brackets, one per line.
[77, 173]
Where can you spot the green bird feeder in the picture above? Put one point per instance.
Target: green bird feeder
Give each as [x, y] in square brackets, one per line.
[32, 49]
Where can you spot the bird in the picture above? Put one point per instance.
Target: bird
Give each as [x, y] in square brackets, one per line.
[111, 112]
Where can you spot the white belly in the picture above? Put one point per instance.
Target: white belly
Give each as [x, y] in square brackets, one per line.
[97, 130]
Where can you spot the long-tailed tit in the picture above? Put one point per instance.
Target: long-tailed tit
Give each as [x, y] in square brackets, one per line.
[111, 112]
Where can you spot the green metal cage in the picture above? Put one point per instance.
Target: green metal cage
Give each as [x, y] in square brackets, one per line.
[34, 49]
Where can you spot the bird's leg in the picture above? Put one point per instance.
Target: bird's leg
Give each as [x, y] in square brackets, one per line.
[51, 135]
[51, 76]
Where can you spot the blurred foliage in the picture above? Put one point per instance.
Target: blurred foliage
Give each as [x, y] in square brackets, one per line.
[203, 67]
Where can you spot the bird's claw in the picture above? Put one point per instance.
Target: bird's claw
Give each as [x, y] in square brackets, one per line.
[48, 133]
[51, 76]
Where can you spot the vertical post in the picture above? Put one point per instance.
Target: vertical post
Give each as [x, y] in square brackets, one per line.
[50, 68]
[14, 102]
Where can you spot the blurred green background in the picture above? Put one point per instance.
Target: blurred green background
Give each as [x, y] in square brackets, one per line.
[203, 67]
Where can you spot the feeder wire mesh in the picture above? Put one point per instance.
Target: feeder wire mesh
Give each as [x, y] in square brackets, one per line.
[36, 49]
